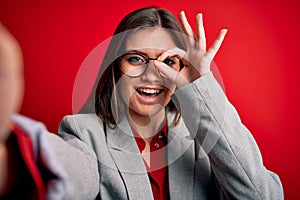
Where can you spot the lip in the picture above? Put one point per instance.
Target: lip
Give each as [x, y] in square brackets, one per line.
[149, 99]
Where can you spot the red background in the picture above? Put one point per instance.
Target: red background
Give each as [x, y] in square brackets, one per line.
[258, 61]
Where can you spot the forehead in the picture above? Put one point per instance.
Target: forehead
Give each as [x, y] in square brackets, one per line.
[153, 38]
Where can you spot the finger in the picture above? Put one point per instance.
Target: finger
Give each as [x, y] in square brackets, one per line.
[201, 32]
[174, 76]
[187, 28]
[168, 72]
[212, 51]
[175, 52]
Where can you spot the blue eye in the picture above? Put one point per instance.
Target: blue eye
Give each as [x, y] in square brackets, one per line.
[136, 60]
[169, 61]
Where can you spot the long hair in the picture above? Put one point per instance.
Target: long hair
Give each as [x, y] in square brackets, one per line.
[107, 103]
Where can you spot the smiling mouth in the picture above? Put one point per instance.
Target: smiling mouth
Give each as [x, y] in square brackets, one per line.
[149, 91]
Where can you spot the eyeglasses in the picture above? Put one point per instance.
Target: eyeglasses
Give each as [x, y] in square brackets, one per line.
[135, 64]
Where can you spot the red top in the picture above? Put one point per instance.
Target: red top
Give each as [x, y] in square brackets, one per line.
[158, 170]
[26, 151]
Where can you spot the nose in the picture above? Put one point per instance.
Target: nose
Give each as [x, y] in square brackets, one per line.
[151, 73]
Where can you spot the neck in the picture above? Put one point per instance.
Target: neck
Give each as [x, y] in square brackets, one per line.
[147, 126]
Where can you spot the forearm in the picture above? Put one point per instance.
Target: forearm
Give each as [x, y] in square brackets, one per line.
[233, 153]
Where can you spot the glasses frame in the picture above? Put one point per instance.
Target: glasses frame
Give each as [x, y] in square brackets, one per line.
[147, 59]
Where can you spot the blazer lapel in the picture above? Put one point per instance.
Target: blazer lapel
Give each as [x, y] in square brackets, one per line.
[129, 162]
[127, 157]
[181, 160]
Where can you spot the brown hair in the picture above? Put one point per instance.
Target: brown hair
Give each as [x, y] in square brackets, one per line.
[108, 105]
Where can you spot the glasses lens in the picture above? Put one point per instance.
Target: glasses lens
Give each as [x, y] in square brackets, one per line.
[133, 64]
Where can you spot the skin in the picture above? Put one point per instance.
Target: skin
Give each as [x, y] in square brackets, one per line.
[11, 93]
[147, 117]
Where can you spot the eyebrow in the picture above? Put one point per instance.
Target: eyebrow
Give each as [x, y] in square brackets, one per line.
[136, 51]
[142, 53]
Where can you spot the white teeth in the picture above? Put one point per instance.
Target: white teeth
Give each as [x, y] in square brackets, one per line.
[149, 91]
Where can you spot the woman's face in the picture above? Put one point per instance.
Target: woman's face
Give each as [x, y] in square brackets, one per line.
[148, 93]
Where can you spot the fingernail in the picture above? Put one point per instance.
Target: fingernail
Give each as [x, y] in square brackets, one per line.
[182, 13]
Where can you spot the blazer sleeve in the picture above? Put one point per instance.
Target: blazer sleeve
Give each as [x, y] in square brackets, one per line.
[233, 153]
[69, 171]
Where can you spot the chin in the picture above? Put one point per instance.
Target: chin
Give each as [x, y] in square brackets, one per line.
[148, 111]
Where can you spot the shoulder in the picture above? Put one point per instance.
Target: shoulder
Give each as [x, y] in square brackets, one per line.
[80, 121]
[81, 125]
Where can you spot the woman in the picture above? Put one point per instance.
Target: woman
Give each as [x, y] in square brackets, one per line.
[162, 127]
[147, 61]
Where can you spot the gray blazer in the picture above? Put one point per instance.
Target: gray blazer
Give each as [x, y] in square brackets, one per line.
[211, 155]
